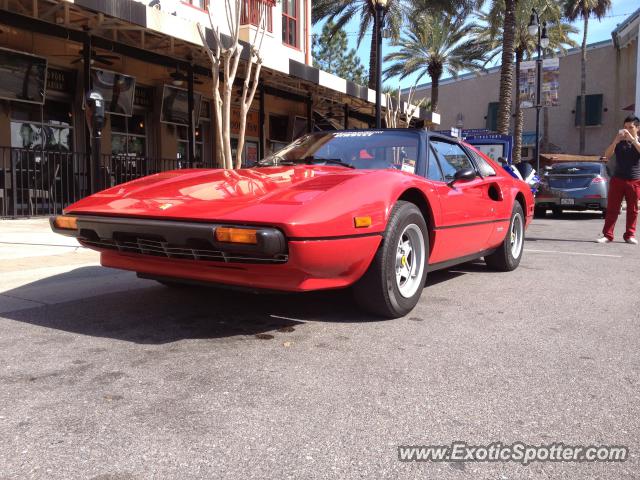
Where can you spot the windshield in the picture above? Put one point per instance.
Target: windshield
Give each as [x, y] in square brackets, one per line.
[354, 149]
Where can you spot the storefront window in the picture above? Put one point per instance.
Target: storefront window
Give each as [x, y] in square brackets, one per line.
[278, 128]
[183, 145]
[48, 127]
[128, 136]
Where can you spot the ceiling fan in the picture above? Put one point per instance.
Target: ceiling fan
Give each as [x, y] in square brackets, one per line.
[179, 78]
[103, 58]
[96, 57]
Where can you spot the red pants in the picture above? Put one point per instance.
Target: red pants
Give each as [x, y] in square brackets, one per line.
[630, 190]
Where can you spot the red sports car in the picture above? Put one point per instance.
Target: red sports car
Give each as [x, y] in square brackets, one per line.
[370, 209]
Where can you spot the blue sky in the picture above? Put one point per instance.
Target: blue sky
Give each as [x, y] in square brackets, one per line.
[598, 31]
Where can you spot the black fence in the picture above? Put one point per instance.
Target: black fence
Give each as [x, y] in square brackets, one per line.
[117, 169]
[37, 182]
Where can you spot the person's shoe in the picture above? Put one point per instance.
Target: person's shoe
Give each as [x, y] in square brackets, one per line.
[631, 240]
[603, 240]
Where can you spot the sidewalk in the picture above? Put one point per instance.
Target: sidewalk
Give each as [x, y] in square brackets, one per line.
[39, 267]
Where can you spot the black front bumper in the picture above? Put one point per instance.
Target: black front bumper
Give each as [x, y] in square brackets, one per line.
[174, 239]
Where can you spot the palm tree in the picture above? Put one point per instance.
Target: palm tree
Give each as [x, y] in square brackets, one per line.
[573, 10]
[506, 25]
[447, 6]
[490, 34]
[342, 12]
[433, 44]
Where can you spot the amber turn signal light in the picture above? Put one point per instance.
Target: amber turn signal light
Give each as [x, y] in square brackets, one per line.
[236, 235]
[362, 222]
[66, 223]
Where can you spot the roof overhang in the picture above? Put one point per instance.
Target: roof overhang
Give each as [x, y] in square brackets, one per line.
[627, 32]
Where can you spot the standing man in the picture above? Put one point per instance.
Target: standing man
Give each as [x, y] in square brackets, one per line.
[625, 181]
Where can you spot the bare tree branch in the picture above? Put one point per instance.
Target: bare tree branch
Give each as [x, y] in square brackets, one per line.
[250, 84]
[225, 59]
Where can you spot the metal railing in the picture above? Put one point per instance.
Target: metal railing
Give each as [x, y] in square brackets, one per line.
[256, 11]
[40, 182]
[37, 182]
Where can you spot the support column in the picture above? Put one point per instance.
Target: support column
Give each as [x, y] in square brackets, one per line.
[346, 116]
[192, 120]
[92, 164]
[261, 121]
[309, 113]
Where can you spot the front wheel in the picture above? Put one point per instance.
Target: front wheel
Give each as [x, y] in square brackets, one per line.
[508, 255]
[392, 285]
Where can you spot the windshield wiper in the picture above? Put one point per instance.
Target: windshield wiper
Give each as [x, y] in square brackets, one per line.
[307, 160]
[272, 161]
[333, 161]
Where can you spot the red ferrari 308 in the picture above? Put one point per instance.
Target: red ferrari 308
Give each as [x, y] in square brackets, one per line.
[374, 210]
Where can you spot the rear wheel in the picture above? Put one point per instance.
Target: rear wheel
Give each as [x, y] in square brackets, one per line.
[508, 255]
[392, 285]
[540, 212]
[557, 212]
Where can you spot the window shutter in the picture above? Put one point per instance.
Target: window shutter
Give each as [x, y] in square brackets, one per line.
[594, 110]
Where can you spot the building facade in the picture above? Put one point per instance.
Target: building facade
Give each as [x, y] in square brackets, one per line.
[613, 92]
[148, 62]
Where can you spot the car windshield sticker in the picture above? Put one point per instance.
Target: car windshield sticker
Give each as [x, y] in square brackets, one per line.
[408, 165]
[355, 134]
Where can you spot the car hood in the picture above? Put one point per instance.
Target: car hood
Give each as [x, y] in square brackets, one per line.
[258, 195]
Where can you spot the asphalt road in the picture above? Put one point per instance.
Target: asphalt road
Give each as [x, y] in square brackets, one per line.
[105, 376]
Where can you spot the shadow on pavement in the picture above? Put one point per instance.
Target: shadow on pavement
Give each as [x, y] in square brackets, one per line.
[570, 240]
[159, 314]
[571, 216]
[440, 276]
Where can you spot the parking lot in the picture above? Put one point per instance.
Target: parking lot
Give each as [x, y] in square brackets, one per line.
[106, 376]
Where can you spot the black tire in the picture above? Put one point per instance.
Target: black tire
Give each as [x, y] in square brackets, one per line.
[377, 291]
[557, 212]
[503, 258]
[604, 213]
[540, 212]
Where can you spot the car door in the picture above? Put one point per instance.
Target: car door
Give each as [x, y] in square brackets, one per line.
[468, 207]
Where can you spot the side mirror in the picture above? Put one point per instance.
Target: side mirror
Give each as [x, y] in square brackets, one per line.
[464, 175]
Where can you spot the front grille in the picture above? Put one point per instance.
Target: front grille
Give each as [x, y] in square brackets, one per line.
[159, 248]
